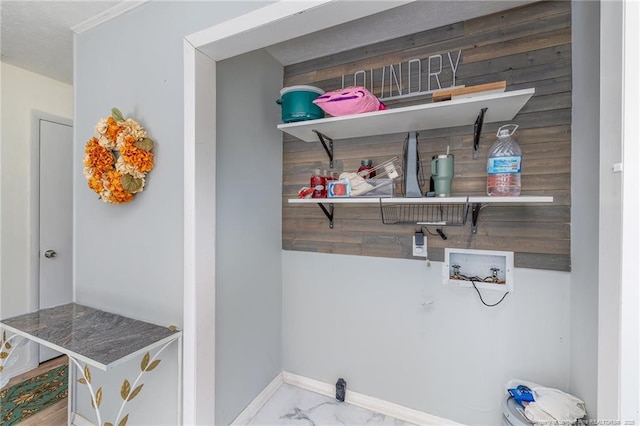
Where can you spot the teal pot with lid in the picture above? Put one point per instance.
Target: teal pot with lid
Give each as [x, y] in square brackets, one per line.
[297, 103]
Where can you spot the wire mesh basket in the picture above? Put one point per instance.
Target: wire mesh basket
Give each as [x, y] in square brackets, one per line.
[436, 214]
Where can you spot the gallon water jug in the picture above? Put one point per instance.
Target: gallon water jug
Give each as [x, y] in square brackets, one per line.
[504, 164]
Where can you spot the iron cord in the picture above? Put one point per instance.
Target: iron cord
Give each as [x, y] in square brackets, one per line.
[476, 279]
[482, 300]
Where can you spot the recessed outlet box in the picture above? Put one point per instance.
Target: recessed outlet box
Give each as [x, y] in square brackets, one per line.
[489, 269]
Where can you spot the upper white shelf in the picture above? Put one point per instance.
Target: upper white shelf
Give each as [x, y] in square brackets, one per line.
[456, 112]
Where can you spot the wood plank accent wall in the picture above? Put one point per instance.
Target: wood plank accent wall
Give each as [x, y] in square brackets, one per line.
[528, 46]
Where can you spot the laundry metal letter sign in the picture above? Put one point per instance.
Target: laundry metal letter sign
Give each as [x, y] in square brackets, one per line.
[414, 77]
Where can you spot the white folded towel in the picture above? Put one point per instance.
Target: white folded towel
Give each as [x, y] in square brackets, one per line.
[358, 185]
[537, 415]
[562, 406]
[551, 405]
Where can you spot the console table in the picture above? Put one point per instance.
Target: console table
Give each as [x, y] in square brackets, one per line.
[94, 338]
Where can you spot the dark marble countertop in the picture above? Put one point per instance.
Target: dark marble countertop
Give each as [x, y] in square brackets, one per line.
[96, 337]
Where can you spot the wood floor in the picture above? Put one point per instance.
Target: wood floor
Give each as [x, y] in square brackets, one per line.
[56, 415]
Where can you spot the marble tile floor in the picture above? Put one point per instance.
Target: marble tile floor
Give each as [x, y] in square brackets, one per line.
[291, 405]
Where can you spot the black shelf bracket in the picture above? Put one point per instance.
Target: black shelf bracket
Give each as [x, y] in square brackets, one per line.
[477, 130]
[328, 149]
[328, 213]
[475, 212]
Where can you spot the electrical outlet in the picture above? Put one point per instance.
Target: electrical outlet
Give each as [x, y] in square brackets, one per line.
[419, 245]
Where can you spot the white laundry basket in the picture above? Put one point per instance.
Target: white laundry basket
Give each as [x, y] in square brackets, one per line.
[512, 413]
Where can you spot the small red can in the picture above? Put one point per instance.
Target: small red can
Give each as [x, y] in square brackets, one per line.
[366, 169]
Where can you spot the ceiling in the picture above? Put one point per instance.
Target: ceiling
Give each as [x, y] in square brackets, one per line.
[403, 20]
[37, 35]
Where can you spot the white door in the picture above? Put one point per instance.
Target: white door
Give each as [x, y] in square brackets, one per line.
[56, 219]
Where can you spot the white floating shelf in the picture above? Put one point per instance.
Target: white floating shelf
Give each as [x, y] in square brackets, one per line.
[354, 200]
[406, 210]
[523, 199]
[437, 115]
[425, 200]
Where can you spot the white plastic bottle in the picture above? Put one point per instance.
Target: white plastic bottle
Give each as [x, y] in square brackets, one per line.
[504, 164]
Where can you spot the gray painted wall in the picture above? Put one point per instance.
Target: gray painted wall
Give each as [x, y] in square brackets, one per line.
[584, 211]
[129, 258]
[370, 321]
[248, 230]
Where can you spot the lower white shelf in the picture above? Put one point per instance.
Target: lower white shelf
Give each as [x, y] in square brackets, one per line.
[354, 200]
[522, 199]
[429, 211]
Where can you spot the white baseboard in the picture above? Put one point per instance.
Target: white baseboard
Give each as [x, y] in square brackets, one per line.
[367, 402]
[78, 420]
[255, 405]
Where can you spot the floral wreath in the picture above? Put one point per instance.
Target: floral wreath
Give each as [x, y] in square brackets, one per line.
[118, 159]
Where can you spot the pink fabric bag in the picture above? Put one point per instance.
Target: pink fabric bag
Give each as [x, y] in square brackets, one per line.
[350, 100]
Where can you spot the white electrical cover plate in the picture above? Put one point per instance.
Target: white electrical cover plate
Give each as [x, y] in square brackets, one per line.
[420, 251]
[478, 263]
